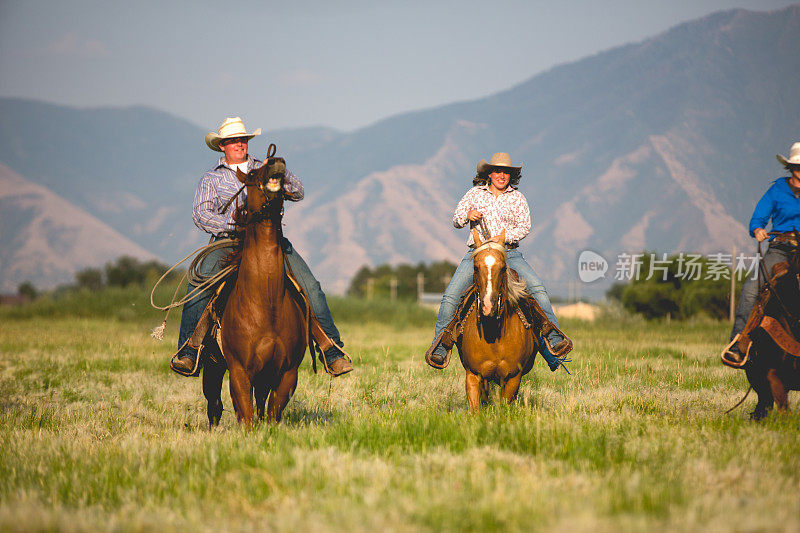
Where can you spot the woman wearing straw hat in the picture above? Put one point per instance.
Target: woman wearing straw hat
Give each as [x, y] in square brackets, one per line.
[781, 204]
[217, 186]
[495, 201]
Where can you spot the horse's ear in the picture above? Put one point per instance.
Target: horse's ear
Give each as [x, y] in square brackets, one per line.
[503, 236]
[241, 176]
[476, 237]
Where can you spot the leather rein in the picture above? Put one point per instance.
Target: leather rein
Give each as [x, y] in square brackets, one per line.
[270, 153]
[768, 279]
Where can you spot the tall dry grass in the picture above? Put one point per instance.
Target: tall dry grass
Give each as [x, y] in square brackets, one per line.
[95, 431]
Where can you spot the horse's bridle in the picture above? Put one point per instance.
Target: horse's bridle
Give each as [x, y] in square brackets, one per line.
[502, 249]
[270, 153]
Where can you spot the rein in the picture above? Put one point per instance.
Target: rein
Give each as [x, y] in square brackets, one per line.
[270, 152]
[768, 281]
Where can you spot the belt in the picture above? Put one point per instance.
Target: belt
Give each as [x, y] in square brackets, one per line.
[509, 245]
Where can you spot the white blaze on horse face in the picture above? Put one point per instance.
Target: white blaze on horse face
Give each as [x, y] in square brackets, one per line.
[487, 297]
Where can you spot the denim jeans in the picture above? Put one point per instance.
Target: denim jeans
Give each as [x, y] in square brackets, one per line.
[319, 304]
[747, 298]
[462, 280]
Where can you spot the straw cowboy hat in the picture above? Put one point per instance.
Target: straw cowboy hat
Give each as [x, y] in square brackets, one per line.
[794, 156]
[501, 160]
[231, 128]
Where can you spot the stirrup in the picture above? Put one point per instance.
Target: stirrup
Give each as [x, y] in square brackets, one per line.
[726, 351]
[565, 346]
[435, 345]
[196, 370]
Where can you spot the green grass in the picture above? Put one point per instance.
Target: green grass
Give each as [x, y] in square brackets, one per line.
[95, 431]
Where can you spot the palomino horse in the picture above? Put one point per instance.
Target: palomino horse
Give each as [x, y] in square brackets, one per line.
[495, 346]
[263, 336]
[774, 357]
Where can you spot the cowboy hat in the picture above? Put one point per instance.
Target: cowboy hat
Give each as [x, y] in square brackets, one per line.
[501, 160]
[794, 156]
[231, 128]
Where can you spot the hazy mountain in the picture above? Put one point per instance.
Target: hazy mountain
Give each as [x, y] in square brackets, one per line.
[664, 144]
[46, 239]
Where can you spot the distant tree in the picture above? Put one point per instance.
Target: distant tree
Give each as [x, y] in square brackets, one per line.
[89, 278]
[436, 276]
[27, 290]
[128, 270]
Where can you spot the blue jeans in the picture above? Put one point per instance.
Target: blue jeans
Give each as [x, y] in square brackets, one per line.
[462, 280]
[319, 304]
[747, 298]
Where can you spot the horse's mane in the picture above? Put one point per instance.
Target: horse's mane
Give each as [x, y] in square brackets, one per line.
[515, 289]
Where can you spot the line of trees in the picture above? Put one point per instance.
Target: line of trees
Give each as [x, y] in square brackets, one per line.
[377, 282]
[125, 271]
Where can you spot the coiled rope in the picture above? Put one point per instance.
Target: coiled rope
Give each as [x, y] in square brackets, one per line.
[200, 281]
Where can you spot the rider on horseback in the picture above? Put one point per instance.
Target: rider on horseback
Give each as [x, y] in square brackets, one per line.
[781, 203]
[213, 215]
[495, 201]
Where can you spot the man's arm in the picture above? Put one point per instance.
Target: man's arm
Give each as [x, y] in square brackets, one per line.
[205, 211]
[293, 187]
[762, 212]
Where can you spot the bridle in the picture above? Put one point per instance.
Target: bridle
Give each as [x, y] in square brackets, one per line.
[500, 300]
[270, 153]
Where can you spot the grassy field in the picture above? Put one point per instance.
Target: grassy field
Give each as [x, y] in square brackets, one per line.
[97, 432]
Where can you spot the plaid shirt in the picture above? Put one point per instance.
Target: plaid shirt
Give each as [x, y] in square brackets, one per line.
[508, 211]
[218, 185]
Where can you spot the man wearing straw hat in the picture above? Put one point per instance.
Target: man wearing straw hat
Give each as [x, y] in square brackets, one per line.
[495, 201]
[781, 204]
[217, 186]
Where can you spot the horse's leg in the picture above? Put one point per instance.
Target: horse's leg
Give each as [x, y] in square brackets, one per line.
[757, 376]
[778, 389]
[212, 390]
[281, 394]
[473, 385]
[261, 390]
[241, 394]
[485, 391]
[510, 387]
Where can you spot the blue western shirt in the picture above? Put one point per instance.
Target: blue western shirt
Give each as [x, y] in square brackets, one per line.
[779, 204]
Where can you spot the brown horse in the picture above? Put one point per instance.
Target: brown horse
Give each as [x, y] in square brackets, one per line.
[263, 337]
[495, 347]
[774, 357]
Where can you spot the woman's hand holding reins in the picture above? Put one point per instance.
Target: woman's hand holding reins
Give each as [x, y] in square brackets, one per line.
[760, 234]
[474, 215]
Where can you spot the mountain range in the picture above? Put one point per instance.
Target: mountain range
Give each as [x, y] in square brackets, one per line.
[663, 145]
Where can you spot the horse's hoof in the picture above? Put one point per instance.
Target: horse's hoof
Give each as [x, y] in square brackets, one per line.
[758, 414]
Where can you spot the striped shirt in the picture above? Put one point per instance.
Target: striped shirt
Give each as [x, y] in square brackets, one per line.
[509, 211]
[218, 185]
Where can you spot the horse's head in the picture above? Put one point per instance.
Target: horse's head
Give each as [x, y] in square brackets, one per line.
[264, 188]
[489, 259]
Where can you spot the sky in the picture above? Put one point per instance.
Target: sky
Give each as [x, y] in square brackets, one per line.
[343, 64]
